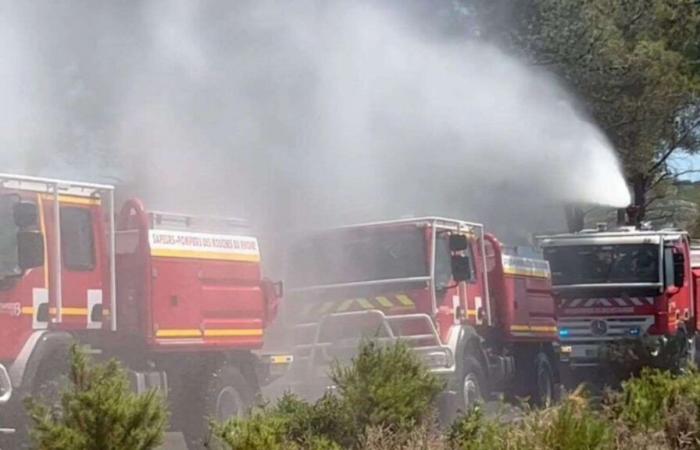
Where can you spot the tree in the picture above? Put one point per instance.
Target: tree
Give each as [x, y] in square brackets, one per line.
[98, 412]
[634, 64]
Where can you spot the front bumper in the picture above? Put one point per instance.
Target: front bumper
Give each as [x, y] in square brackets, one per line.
[5, 385]
[5, 395]
[272, 366]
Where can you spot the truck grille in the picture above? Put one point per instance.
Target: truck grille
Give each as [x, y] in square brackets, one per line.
[596, 329]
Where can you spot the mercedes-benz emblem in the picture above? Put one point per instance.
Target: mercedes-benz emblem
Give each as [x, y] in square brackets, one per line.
[599, 327]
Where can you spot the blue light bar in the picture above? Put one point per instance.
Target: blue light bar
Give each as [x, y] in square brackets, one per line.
[563, 332]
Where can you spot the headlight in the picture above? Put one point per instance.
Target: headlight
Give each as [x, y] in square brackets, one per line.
[438, 358]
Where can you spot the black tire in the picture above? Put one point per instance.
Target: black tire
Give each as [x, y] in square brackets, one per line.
[544, 391]
[227, 395]
[471, 386]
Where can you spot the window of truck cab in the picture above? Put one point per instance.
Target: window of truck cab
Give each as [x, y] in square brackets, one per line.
[357, 255]
[77, 239]
[9, 258]
[602, 264]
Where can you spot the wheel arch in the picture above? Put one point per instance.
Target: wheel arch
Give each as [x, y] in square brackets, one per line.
[40, 347]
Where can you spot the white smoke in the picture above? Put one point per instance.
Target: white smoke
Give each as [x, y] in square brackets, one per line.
[309, 113]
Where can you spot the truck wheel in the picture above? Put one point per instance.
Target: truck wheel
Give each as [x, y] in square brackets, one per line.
[543, 390]
[471, 385]
[228, 395]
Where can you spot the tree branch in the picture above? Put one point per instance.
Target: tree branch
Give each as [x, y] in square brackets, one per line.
[674, 146]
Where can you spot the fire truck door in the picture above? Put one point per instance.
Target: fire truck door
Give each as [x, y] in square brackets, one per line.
[446, 293]
[81, 272]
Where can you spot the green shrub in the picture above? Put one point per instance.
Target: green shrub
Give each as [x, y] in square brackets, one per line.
[262, 430]
[98, 411]
[623, 359]
[572, 425]
[660, 402]
[386, 387]
[291, 423]
[474, 432]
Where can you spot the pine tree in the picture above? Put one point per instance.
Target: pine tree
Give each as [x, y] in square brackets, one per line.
[98, 411]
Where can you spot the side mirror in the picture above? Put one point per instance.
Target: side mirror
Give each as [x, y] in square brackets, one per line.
[678, 270]
[30, 249]
[26, 214]
[461, 268]
[671, 291]
[458, 243]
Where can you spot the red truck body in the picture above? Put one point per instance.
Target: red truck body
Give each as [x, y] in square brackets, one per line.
[620, 285]
[179, 299]
[483, 320]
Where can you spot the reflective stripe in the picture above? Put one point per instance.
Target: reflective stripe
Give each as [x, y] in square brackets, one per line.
[194, 333]
[178, 333]
[74, 200]
[385, 302]
[240, 332]
[533, 328]
[405, 300]
[365, 303]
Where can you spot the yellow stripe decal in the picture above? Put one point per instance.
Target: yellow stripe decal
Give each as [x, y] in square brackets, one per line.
[178, 333]
[385, 302]
[42, 224]
[345, 305]
[194, 333]
[189, 254]
[238, 333]
[325, 308]
[365, 303]
[74, 200]
[405, 300]
[74, 311]
[537, 329]
[526, 273]
[29, 310]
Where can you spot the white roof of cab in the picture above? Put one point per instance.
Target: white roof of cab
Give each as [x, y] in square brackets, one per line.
[50, 186]
[611, 238]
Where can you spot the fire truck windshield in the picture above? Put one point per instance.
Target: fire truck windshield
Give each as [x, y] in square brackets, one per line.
[9, 261]
[601, 264]
[356, 255]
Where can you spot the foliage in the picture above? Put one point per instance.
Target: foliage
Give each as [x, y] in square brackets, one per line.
[98, 412]
[632, 63]
[627, 358]
[384, 391]
[571, 425]
[655, 410]
[647, 401]
[387, 387]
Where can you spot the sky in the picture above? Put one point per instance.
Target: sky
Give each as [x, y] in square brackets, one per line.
[683, 162]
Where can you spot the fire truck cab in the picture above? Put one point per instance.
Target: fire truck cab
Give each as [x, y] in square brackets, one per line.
[180, 300]
[621, 284]
[481, 319]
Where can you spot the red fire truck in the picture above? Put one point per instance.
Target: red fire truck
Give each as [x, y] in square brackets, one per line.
[478, 317]
[623, 284]
[178, 299]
